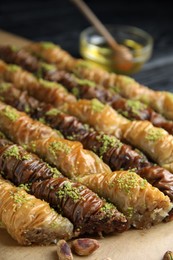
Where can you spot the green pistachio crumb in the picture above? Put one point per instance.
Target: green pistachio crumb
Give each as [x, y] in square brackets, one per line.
[4, 86]
[136, 106]
[75, 91]
[85, 82]
[59, 146]
[19, 197]
[27, 108]
[2, 136]
[42, 120]
[129, 212]
[25, 187]
[13, 68]
[115, 89]
[67, 190]
[11, 113]
[54, 170]
[53, 112]
[129, 181]
[48, 84]
[96, 105]
[107, 142]
[154, 134]
[12, 151]
[48, 45]
[47, 66]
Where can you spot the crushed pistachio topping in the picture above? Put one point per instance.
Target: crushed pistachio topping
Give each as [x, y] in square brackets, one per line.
[124, 113]
[32, 146]
[107, 207]
[96, 105]
[54, 170]
[129, 212]
[136, 106]
[4, 86]
[47, 45]
[12, 151]
[75, 92]
[107, 141]
[53, 112]
[27, 108]
[145, 99]
[115, 89]
[85, 82]
[47, 84]
[47, 66]
[154, 134]
[11, 113]
[2, 136]
[69, 191]
[59, 146]
[26, 157]
[13, 68]
[25, 187]
[19, 197]
[42, 120]
[129, 181]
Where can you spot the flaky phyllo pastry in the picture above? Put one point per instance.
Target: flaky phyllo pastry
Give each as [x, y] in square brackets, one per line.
[88, 212]
[161, 101]
[81, 88]
[133, 195]
[85, 162]
[113, 152]
[77, 163]
[29, 220]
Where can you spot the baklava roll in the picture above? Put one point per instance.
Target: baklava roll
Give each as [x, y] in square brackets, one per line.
[29, 220]
[154, 141]
[82, 88]
[21, 167]
[68, 156]
[161, 101]
[21, 128]
[51, 92]
[20, 57]
[113, 152]
[102, 117]
[52, 54]
[142, 203]
[87, 212]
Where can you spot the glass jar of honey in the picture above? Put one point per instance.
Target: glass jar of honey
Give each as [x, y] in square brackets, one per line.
[95, 50]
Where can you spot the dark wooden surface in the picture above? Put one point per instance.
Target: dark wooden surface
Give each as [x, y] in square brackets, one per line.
[60, 22]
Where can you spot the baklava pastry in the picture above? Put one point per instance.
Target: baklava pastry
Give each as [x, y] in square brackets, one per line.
[69, 157]
[143, 204]
[21, 128]
[52, 54]
[29, 220]
[102, 117]
[161, 101]
[52, 92]
[154, 141]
